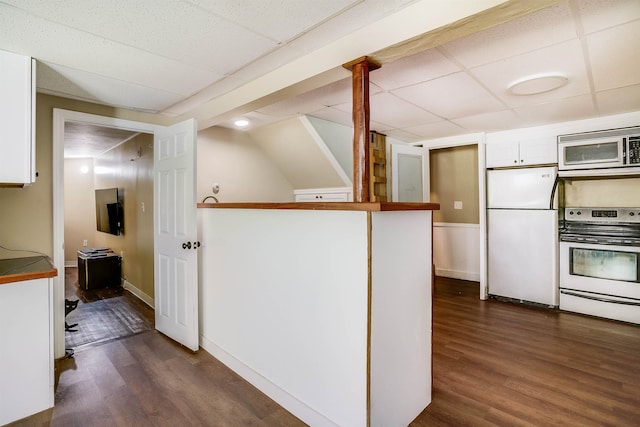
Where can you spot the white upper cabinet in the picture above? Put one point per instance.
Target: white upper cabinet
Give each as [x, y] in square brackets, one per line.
[541, 151]
[17, 119]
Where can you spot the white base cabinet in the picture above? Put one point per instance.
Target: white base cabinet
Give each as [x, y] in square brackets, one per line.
[26, 349]
[17, 130]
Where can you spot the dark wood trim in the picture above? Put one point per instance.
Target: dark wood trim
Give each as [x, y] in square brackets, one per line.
[360, 86]
[28, 268]
[328, 206]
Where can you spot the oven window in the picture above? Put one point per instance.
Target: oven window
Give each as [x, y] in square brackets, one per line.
[605, 264]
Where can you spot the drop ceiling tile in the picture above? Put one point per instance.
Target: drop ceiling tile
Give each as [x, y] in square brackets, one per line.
[437, 130]
[333, 115]
[336, 94]
[418, 68]
[576, 108]
[278, 19]
[564, 58]
[297, 105]
[67, 82]
[614, 57]
[597, 15]
[490, 122]
[450, 97]
[621, 100]
[57, 44]
[402, 135]
[222, 48]
[397, 113]
[543, 28]
[145, 24]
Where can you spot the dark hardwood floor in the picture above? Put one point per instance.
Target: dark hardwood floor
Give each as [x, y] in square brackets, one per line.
[495, 364]
[498, 363]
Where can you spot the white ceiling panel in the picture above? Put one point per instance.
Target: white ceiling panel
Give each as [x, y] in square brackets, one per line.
[57, 44]
[333, 115]
[421, 67]
[149, 24]
[292, 106]
[280, 20]
[437, 130]
[577, 108]
[615, 56]
[222, 49]
[560, 59]
[397, 113]
[451, 97]
[597, 15]
[544, 28]
[491, 122]
[616, 101]
[58, 80]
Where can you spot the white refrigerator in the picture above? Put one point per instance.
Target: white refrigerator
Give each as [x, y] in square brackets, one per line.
[522, 223]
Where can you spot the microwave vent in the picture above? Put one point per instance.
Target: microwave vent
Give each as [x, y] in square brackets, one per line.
[635, 130]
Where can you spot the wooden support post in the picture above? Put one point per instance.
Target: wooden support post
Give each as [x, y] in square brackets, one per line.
[361, 169]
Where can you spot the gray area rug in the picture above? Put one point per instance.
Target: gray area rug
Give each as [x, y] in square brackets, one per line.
[103, 320]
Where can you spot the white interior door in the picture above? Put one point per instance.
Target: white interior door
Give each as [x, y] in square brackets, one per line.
[175, 245]
[409, 173]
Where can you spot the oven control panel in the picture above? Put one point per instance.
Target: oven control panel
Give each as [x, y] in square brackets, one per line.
[606, 215]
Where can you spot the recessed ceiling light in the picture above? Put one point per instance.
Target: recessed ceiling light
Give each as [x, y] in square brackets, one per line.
[536, 84]
[241, 123]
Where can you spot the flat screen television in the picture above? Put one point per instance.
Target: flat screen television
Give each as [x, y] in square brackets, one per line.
[110, 210]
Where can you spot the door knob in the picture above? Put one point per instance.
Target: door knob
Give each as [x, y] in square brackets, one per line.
[186, 245]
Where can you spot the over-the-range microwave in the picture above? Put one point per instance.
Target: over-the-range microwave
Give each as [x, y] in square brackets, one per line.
[600, 152]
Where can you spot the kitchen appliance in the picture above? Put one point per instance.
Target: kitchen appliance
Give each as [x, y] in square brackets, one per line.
[607, 152]
[522, 223]
[600, 262]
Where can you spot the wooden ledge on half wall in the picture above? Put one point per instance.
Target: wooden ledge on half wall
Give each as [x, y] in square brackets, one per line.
[336, 206]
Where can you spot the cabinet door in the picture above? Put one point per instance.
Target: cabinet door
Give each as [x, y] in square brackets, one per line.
[16, 102]
[323, 197]
[502, 154]
[539, 151]
[26, 352]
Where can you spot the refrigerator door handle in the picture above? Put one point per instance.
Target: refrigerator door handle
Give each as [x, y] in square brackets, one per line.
[553, 191]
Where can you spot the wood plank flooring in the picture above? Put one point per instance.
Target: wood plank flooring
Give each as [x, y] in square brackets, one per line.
[495, 364]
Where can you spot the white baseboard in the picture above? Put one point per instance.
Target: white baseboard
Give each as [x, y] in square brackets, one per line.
[137, 292]
[462, 275]
[73, 263]
[283, 398]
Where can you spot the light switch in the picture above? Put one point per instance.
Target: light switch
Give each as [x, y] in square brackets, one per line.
[457, 204]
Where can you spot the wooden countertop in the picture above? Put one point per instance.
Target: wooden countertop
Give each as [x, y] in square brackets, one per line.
[327, 206]
[28, 268]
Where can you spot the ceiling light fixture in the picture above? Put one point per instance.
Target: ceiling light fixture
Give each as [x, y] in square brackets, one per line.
[536, 84]
[242, 122]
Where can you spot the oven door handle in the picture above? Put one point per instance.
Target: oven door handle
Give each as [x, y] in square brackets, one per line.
[601, 299]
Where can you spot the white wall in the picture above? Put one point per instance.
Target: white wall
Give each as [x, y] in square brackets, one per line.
[245, 173]
[284, 303]
[455, 250]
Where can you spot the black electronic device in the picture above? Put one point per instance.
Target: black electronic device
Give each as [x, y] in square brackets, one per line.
[110, 210]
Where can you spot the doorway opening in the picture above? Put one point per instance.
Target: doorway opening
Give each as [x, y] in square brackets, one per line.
[108, 280]
[110, 311]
